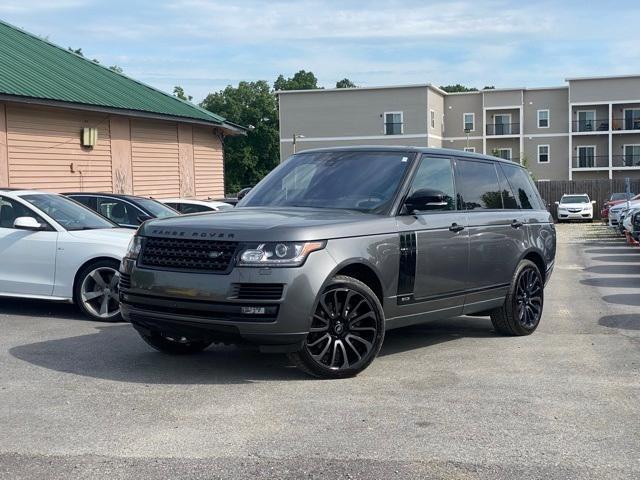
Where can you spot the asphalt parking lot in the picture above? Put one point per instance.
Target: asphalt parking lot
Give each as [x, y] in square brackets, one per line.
[445, 400]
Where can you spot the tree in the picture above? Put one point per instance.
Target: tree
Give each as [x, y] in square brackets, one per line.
[458, 88]
[345, 83]
[302, 80]
[248, 158]
[116, 68]
[77, 51]
[489, 87]
[178, 91]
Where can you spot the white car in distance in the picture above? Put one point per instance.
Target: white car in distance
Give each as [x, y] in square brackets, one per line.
[189, 205]
[575, 207]
[53, 248]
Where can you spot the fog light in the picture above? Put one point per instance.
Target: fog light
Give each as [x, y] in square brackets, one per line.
[253, 310]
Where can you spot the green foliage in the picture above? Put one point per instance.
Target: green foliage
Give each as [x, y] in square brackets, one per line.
[345, 83]
[302, 80]
[178, 91]
[248, 158]
[458, 88]
[116, 68]
[77, 51]
[489, 87]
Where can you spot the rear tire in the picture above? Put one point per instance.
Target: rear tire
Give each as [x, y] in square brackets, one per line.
[346, 332]
[522, 310]
[171, 346]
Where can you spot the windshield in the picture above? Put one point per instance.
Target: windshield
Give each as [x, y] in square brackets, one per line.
[157, 209]
[68, 213]
[620, 196]
[575, 199]
[363, 181]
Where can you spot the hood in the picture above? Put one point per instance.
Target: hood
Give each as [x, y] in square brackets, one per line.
[270, 224]
[575, 205]
[623, 206]
[105, 235]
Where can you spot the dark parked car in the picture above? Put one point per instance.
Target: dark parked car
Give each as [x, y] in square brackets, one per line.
[126, 210]
[336, 246]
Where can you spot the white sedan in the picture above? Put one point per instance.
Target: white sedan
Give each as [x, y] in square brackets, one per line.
[53, 248]
[188, 205]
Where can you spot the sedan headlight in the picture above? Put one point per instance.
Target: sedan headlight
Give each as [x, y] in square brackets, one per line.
[133, 250]
[277, 254]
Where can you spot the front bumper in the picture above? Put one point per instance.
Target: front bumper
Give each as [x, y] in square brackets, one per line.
[207, 306]
[575, 215]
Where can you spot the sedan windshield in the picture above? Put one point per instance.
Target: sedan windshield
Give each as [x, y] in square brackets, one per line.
[157, 209]
[575, 199]
[68, 213]
[621, 196]
[363, 181]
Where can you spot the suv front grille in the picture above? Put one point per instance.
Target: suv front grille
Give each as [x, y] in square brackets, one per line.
[189, 255]
[257, 291]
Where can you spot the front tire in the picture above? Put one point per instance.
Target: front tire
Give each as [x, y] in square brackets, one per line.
[346, 333]
[96, 291]
[174, 346]
[522, 309]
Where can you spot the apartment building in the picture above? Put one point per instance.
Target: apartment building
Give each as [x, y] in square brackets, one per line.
[587, 129]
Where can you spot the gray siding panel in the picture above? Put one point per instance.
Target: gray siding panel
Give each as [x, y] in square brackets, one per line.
[556, 101]
[605, 90]
[455, 106]
[502, 98]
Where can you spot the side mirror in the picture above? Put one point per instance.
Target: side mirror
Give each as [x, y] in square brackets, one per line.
[27, 223]
[143, 217]
[557, 203]
[593, 202]
[426, 199]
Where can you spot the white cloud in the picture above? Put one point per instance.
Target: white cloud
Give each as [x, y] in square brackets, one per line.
[31, 6]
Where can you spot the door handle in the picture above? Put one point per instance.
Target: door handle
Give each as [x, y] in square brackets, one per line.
[516, 224]
[456, 228]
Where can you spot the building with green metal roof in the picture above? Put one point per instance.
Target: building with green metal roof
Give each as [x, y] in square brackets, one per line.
[67, 122]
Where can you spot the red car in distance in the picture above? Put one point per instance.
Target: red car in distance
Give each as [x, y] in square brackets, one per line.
[615, 199]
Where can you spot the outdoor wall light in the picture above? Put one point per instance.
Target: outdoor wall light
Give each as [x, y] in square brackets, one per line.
[89, 137]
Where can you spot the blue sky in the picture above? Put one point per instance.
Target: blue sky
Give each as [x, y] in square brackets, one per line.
[205, 45]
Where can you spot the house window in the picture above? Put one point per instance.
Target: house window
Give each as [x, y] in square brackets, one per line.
[393, 123]
[469, 122]
[504, 153]
[543, 118]
[632, 118]
[470, 149]
[433, 119]
[543, 153]
[632, 155]
[586, 156]
[586, 120]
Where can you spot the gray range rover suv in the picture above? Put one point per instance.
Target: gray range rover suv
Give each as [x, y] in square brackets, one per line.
[335, 246]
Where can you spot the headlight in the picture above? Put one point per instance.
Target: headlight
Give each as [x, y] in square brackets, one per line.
[277, 254]
[133, 250]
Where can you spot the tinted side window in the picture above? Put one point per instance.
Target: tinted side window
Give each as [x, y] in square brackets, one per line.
[191, 208]
[85, 200]
[508, 198]
[478, 185]
[10, 210]
[176, 206]
[435, 173]
[522, 187]
[118, 211]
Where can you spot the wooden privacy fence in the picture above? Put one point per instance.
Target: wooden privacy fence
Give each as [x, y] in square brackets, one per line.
[598, 190]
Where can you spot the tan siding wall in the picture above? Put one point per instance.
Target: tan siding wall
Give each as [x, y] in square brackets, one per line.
[4, 158]
[40, 148]
[45, 153]
[155, 158]
[208, 163]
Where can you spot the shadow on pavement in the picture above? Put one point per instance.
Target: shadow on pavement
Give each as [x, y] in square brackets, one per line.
[623, 299]
[613, 282]
[618, 258]
[628, 322]
[614, 269]
[39, 308]
[116, 352]
[624, 250]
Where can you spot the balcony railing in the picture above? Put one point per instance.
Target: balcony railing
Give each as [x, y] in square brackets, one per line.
[591, 161]
[626, 161]
[626, 123]
[503, 129]
[597, 125]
